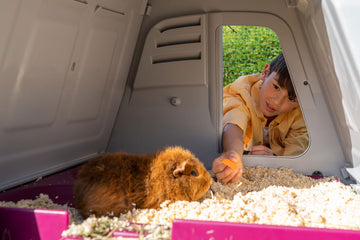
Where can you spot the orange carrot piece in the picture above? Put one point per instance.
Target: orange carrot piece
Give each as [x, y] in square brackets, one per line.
[230, 163]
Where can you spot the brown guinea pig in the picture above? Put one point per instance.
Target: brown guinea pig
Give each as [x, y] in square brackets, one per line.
[118, 182]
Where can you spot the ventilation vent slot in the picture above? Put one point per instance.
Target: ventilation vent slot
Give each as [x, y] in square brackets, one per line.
[81, 1]
[190, 56]
[178, 39]
[174, 54]
[98, 7]
[189, 22]
[194, 39]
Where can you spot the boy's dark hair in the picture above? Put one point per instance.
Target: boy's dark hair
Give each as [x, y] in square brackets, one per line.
[278, 65]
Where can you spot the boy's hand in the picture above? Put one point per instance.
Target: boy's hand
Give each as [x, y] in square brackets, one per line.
[225, 173]
[260, 150]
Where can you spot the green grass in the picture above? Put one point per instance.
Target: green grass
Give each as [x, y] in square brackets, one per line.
[246, 50]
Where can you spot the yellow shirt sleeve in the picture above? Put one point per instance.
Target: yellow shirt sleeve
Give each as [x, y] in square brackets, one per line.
[235, 107]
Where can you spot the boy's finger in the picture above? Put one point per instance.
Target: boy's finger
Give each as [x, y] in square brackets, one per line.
[257, 148]
[237, 176]
[230, 175]
[226, 174]
[234, 176]
[218, 166]
[260, 150]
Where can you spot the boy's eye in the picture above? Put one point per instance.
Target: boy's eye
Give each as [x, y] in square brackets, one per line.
[276, 86]
[292, 99]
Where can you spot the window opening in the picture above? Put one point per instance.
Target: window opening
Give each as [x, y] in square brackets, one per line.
[246, 50]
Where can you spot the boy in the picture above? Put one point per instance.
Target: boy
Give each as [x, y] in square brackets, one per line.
[261, 114]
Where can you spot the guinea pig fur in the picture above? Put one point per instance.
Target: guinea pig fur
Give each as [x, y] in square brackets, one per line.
[117, 182]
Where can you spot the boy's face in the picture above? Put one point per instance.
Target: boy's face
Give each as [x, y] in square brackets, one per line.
[274, 100]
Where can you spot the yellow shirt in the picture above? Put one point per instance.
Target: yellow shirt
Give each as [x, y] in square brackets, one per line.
[287, 132]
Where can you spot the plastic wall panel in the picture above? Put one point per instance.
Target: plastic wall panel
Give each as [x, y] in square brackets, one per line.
[35, 70]
[196, 124]
[64, 64]
[312, 20]
[173, 65]
[98, 44]
[172, 46]
[344, 37]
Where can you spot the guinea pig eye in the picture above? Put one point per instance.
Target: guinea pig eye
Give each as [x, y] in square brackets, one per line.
[194, 173]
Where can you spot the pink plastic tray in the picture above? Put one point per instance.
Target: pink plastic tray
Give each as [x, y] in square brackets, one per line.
[40, 224]
[23, 224]
[49, 224]
[190, 229]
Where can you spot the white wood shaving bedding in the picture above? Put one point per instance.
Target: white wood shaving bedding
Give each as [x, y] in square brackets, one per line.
[266, 196]
[262, 195]
[43, 201]
[103, 227]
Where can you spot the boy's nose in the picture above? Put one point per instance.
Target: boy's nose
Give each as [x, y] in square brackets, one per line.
[279, 98]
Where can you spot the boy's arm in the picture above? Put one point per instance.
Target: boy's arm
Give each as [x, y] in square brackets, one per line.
[232, 149]
[232, 139]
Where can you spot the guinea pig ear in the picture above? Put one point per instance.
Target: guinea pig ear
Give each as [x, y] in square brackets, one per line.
[180, 170]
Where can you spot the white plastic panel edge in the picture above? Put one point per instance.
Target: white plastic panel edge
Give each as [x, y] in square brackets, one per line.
[344, 36]
[321, 129]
